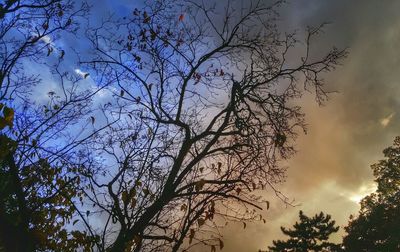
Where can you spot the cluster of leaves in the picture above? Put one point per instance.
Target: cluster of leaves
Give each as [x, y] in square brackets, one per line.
[47, 207]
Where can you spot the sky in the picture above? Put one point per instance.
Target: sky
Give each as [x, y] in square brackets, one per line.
[331, 171]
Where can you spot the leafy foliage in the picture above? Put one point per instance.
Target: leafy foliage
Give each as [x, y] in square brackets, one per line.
[309, 234]
[377, 226]
[45, 205]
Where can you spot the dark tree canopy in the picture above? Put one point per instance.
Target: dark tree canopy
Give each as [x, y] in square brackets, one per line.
[377, 226]
[39, 177]
[309, 234]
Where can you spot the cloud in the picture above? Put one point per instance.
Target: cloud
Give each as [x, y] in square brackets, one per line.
[386, 120]
[49, 41]
[331, 172]
[46, 39]
[81, 73]
[362, 191]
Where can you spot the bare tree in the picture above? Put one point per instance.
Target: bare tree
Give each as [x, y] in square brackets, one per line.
[205, 96]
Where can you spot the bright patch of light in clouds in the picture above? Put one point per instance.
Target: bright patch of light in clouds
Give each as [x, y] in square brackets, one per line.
[363, 191]
[386, 120]
[46, 39]
[80, 72]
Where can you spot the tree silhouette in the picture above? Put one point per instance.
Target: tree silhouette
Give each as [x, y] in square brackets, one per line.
[203, 97]
[309, 234]
[377, 226]
[202, 108]
[39, 180]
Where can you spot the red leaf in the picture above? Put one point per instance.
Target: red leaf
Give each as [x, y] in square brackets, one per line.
[181, 17]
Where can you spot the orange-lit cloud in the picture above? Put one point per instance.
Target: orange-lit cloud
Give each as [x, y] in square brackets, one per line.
[331, 171]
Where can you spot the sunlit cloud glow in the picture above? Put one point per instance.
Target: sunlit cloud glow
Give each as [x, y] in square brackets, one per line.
[46, 39]
[362, 191]
[386, 120]
[81, 73]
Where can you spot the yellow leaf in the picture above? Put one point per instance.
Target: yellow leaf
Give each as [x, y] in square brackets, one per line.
[125, 197]
[8, 117]
[183, 207]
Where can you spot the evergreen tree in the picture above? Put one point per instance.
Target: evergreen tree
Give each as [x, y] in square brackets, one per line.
[310, 234]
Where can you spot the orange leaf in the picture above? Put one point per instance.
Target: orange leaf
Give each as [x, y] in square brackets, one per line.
[181, 17]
